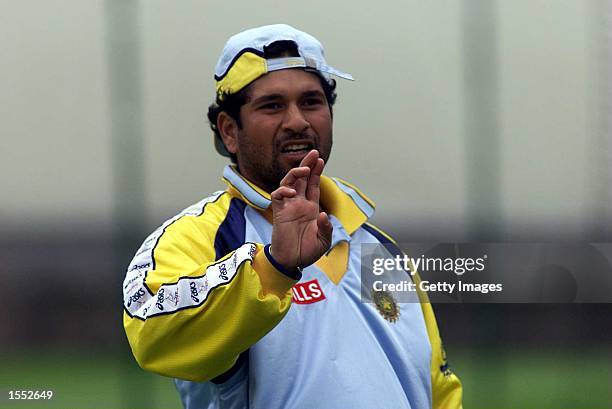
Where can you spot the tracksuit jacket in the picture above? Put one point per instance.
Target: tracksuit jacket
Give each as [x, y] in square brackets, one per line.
[203, 304]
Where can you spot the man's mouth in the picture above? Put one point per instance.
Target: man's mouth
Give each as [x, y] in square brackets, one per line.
[303, 147]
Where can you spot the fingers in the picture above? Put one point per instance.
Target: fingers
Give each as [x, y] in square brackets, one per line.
[325, 228]
[282, 193]
[318, 168]
[310, 159]
[314, 181]
[306, 178]
[294, 174]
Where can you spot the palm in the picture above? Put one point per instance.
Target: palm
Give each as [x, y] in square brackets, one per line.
[301, 234]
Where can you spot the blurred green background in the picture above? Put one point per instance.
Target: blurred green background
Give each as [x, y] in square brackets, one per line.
[552, 377]
[486, 120]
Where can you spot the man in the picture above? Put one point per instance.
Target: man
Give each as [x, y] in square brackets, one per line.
[251, 297]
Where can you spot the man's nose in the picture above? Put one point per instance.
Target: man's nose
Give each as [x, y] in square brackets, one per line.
[295, 120]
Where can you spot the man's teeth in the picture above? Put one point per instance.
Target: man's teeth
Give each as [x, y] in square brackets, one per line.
[295, 148]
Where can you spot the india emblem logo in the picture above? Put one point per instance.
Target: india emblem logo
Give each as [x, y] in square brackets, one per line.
[386, 305]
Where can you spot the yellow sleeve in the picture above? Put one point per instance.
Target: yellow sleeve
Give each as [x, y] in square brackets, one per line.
[446, 389]
[189, 316]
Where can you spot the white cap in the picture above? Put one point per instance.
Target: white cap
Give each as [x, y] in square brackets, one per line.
[242, 60]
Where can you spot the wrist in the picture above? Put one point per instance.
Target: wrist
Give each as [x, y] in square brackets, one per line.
[293, 272]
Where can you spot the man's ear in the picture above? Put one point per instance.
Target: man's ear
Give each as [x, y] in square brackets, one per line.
[228, 128]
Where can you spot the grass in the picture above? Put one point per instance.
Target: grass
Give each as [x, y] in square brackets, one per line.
[545, 378]
[84, 380]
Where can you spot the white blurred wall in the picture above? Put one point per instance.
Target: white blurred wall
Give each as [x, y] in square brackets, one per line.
[399, 129]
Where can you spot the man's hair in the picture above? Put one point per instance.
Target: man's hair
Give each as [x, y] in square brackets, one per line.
[231, 103]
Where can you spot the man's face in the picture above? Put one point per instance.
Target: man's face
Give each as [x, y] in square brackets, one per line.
[286, 116]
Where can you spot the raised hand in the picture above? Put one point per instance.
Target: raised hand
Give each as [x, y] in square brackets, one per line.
[301, 233]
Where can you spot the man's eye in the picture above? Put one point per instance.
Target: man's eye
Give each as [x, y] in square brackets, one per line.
[313, 101]
[271, 105]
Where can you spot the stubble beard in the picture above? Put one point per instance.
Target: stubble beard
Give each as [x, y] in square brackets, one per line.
[269, 175]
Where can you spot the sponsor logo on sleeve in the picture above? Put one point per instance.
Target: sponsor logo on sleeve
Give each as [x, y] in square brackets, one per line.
[223, 272]
[205, 283]
[175, 298]
[135, 298]
[160, 299]
[131, 281]
[194, 292]
[140, 266]
[234, 261]
[143, 249]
